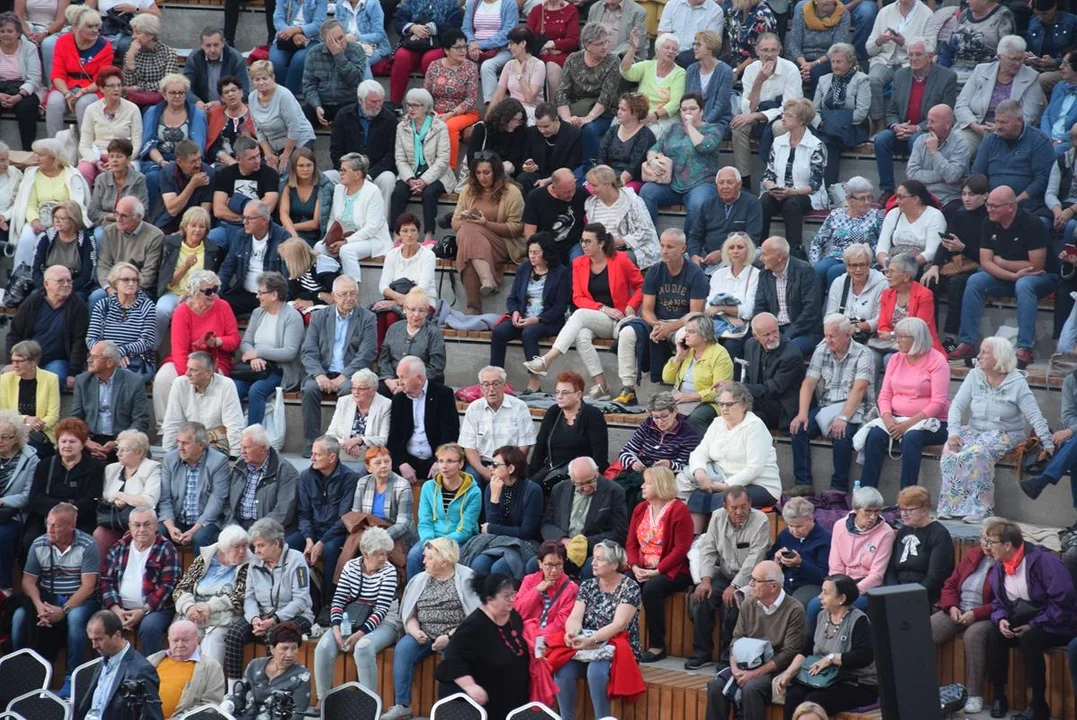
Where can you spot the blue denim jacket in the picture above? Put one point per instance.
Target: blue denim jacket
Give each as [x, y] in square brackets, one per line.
[370, 24]
[314, 12]
[1064, 31]
[510, 18]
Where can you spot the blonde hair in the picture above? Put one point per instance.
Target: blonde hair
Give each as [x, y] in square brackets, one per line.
[74, 212]
[915, 495]
[77, 15]
[744, 238]
[259, 68]
[446, 547]
[665, 482]
[604, 174]
[297, 256]
[710, 40]
[810, 708]
[801, 109]
[197, 215]
[174, 79]
[417, 293]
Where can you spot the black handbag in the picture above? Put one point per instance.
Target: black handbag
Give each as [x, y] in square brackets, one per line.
[243, 372]
[446, 248]
[1023, 612]
[419, 45]
[19, 286]
[116, 23]
[111, 517]
[402, 285]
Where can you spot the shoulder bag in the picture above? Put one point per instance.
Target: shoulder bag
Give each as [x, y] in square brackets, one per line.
[822, 680]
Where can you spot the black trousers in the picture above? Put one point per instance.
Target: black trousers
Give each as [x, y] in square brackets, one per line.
[834, 699]
[26, 113]
[655, 591]
[231, 20]
[398, 202]
[792, 209]
[1032, 646]
[703, 614]
[953, 288]
[243, 303]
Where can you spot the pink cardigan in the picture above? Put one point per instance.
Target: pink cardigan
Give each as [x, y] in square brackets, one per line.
[864, 557]
[921, 387]
[529, 602]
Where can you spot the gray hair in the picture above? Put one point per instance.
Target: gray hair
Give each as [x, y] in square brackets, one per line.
[411, 363]
[421, 96]
[368, 88]
[375, 539]
[739, 392]
[778, 243]
[136, 440]
[1011, 44]
[917, 329]
[842, 48]
[797, 508]
[257, 434]
[613, 551]
[857, 250]
[906, 263]
[667, 37]
[365, 377]
[675, 233]
[773, 571]
[198, 432]
[704, 326]
[326, 26]
[332, 445]
[662, 401]
[857, 185]
[149, 24]
[261, 207]
[269, 530]
[586, 460]
[11, 419]
[1002, 349]
[51, 147]
[729, 169]
[232, 536]
[500, 372]
[917, 41]
[203, 358]
[275, 283]
[196, 279]
[144, 510]
[592, 32]
[866, 498]
[110, 351]
[1010, 107]
[843, 323]
[355, 162]
[27, 350]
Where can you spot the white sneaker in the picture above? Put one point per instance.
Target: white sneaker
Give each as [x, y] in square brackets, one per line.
[398, 712]
[974, 705]
[536, 366]
[976, 518]
[598, 392]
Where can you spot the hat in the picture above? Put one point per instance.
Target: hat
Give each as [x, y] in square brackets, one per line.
[577, 550]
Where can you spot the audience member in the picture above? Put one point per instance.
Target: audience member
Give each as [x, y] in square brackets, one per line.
[730, 211]
[128, 240]
[553, 143]
[194, 489]
[700, 366]
[34, 393]
[797, 308]
[278, 118]
[904, 298]
[570, 429]
[332, 68]
[558, 209]
[130, 483]
[1018, 156]
[705, 49]
[503, 132]
[251, 253]
[857, 292]
[897, 31]
[385, 495]
[624, 214]
[369, 129]
[422, 155]
[842, 100]
[624, 146]
[238, 185]
[118, 179]
[262, 484]
[584, 510]
[733, 289]
[310, 275]
[189, 679]
[419, 25]
[559, 22]
[185, 183]
[120, 666]
[512, 511]
[422, 417]
[620, 19]
[661, 80]
[802, 550]
[10, 179]
[748, 21]
[166, 125]
[817, 25]
[357, 209]
[360, 420]
[927, 550]
[856, 222]
[306, 197]
[1060, 115]
[214, 59]
[57, 321]
[976, 38]
[409, 264]
[589, 85]
[228, 120]
[78, 56]
[25, 79]
[297, 34]
[774, 371]
[546, 596]
[205, 396]
[70, 244]
[940, 158]
[146, 61]
[365, 24]
[267, 679]
[127, 317]
[1060, 198]
[449, 504]
[665, 439]
[485, 428]
[18, 461]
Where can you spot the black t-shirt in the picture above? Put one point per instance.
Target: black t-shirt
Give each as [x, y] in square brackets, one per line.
[255, 186]
[548, 214]
[598, 284]
[1024, 234]
[673, 294]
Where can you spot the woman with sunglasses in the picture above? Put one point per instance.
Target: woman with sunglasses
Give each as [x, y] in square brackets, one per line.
[202, 321]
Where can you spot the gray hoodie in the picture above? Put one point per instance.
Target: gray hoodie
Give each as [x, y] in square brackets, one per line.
[1011, 407]
[283, 591]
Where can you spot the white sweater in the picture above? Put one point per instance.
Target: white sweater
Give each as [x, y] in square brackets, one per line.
[419, 268]
[914, 25]
[218, 405]
[923, 234]
[745, 454]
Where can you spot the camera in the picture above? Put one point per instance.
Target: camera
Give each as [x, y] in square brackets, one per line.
[132, 690]
[280, 704]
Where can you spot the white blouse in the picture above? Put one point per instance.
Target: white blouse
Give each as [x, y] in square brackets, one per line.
[741, 287]
[922, 234]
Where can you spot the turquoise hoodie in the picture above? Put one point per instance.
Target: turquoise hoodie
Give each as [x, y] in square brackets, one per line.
[462, 520]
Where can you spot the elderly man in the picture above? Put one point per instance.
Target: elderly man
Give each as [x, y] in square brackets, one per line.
[889, 47]
[109, 399]
[802, 550]
[1013, 254]
[250, 254]
[326, 492]
[940, 158]
[789, 289]
[194, 488]
[368, 128]
[551, 144]
[237, 185]
[121, 667]
[213, 60]
[684, 18]
[736, 541]
[672, 290]
[774, 371]
[58, 320]
[494, 421]
[186, 182]
[834, 397]
[730, 211]
[333, 67]
[340, 340]
[973, 109]
[262, 484]
[767, 613]
[1016, 155]
[916, 88]
[421, 418]
[188, 680]
[138, 578]
[620, 18]
[767, 82]
[557, 209]
[584, 510]
[129, 240]
[204, 396]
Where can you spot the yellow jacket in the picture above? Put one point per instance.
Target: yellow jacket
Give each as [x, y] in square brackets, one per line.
[48, 397]
[714, 366]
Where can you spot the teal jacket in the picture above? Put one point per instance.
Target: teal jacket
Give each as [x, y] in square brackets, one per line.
[462, 520]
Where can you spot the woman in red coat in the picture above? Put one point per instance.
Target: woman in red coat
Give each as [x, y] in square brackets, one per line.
[659, 537]
[965, 609]
[606, 288]
[905, 298]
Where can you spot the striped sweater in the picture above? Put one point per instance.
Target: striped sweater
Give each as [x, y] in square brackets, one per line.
[378, 590]
[133, 329]
[648, 445]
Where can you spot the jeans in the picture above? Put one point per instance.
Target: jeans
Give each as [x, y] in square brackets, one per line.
[10, 532]
[505, 331]
[912, 443]
[74, 626]
[153, 630]
[225, 233]
[885, 143]
[95, 297]
[257, 393]
[205, 536]
[288, 66]
[598, 678]
[366, 662]
[828, 270]
[843, 454]
[414, 564]
[591, 138]
[1064, 461]
[59, 368]
[330, 555]
[805, 343]
[1028, 290]
[488, 564]
[655, 195]
[406, 656]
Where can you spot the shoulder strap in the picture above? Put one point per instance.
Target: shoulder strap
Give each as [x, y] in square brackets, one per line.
[845, 293]
[546, 610]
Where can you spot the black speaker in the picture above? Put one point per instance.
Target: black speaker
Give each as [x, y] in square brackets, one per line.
[904, 652]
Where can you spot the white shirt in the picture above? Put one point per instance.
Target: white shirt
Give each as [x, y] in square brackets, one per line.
[913, 25]
[785, 83]
[741, 287]
[218, 405]
[418, 444]
[485, 429]
[131, 582]
[684, 21]
[257, 264]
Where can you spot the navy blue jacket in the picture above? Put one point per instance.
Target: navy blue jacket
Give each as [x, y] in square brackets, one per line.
[524, 518]
[234, 268]
[1024, 164]
[555, 294]
[814, 553]
[324, 500]
[196, 69]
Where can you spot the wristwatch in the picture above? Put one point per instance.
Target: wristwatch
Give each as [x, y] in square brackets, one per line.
[843, 418]
[830, 657]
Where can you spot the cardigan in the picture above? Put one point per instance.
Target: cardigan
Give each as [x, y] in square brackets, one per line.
[30, 69]
[950, 596]
[206, 686]
[745, 453]
[77, 188]
[922, 555]
[668, 89]
[85, 280]
[555, 295]
[510, 209]
[95, 131]
[368, 217]
[196, 133]
[47, 398]
[67, 66]
[626, 283]
[435, 150]
[714, 367]
[921, 305]
[677, 538]
[523, 519]
[973, 100]
[285, 350]
[145, 483]
[589, 431]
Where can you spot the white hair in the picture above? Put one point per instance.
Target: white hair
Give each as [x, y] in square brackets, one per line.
[257, 434]
[1011, 44]
[665, 38]
[840, 320]
[501, 374]
[1002, 349]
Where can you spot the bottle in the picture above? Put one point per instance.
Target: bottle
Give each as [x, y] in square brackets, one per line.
[346, 626]
[856, 485]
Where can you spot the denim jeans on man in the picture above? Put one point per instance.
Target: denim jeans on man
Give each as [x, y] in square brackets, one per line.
[886, 143]
[1028, 289]
[74, 625]
[843, 454]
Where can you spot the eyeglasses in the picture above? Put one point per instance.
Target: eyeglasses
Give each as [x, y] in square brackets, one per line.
[210, 291]
[909, 510]
[113, 86]
[990, 541]
[564, 393]
[901, 196]
[345, 294]
[497, 464]
[758, 581]
[661, 417]
[458, 47]
[726, 405]
[176, 93]
[491, 385]
[414, 105]
[587, 241]
[856, 266]
[127, 279]
[252, 218]
[548, 566]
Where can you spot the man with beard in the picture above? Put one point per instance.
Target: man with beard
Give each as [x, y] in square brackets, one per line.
[773, 374]
[368, 128]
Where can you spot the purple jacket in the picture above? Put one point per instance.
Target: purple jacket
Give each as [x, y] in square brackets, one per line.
[1049, 584]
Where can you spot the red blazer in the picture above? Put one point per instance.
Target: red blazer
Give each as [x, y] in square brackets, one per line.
[676, 542]
[951, 589]
[626, 283]
[921, 305]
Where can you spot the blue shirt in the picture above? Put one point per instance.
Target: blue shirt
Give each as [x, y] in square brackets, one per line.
[377, 508]
[106, 681]
[340, 343]
[190, 501]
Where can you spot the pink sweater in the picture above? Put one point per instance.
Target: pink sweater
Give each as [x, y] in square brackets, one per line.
[863, 557]
[910, 388]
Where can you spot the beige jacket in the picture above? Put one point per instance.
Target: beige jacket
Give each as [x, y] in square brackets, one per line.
[206, 685]
[435, 149]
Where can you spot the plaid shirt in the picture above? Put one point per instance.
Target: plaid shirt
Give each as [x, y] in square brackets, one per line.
[162, 573]
[150, 67]
[248, 502]
[835, 377]
[330, 79]
[781, 282]
[485, 429]
[190, 500]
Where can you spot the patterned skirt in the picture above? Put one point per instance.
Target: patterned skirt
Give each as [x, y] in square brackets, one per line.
[968, 475]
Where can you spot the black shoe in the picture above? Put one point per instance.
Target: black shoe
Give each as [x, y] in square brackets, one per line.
[308, 450]
[445, 221]
[695, 662]
[650, 657]
[1029, 713]
[801, 491]
[1032, 486]
[999, 706]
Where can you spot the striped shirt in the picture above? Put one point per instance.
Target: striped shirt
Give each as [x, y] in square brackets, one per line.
[133, 329]
[378, 590]
[60, 573]
[648, 445]
[835, 377]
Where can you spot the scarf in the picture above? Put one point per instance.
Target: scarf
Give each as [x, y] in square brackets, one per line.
[420, 135]
[818, 24]
[1010, 566]
[839, 87]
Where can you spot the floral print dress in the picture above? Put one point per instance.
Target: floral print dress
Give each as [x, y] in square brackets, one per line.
[745, 29]
[839, 231]
[602, 606]
[452, 87]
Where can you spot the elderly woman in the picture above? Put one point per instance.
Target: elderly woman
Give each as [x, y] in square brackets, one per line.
[737, 449]
[364, 596]
[18, 461]
[747, 20]
[297, 28]
[842, 100]
[856, 293]
[569, 430]
[700, 365]
[842, 639]
[78, 56]
[127, 317]
[202, 321]
[913, 227]
[74, 477]
[212, 591]
[523, 78]
[986, 83]
[167, 124]
[965, 609]
[558, 21]
[547, 596]
[606, 612]
[278, 119]
[68, 242]
[978, 35]
[924, 550]
[487, 657]
[1059, 116]
[266, 679]
[419, 24]
[857, 221]
[360, 420]
[453, 83]
[278, 591]
[625, 145]
[735, 278]
[34, 393]
[817, 26]
[10, 179]
[913, 404]
[589, 86]
[659, 537]
[418, 335]
[118, 179]
[690, 150]
[385, 495]
[183, 253]
[359, 209]
[711, 78]
[305, 197]
[422, 159]
[52, 181]
[449, 504]
[802, 549]
[536, 303]
[599, 306]
[661, 80]
[904, 298]
[22, 88]
[989, 416]
[504, 133]
[621, 211]
[664, 439]
[146, 61]
[435, 602]
[268, 361]
[134, 481]
[488, 226]
[409, 265]
[794, 178]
